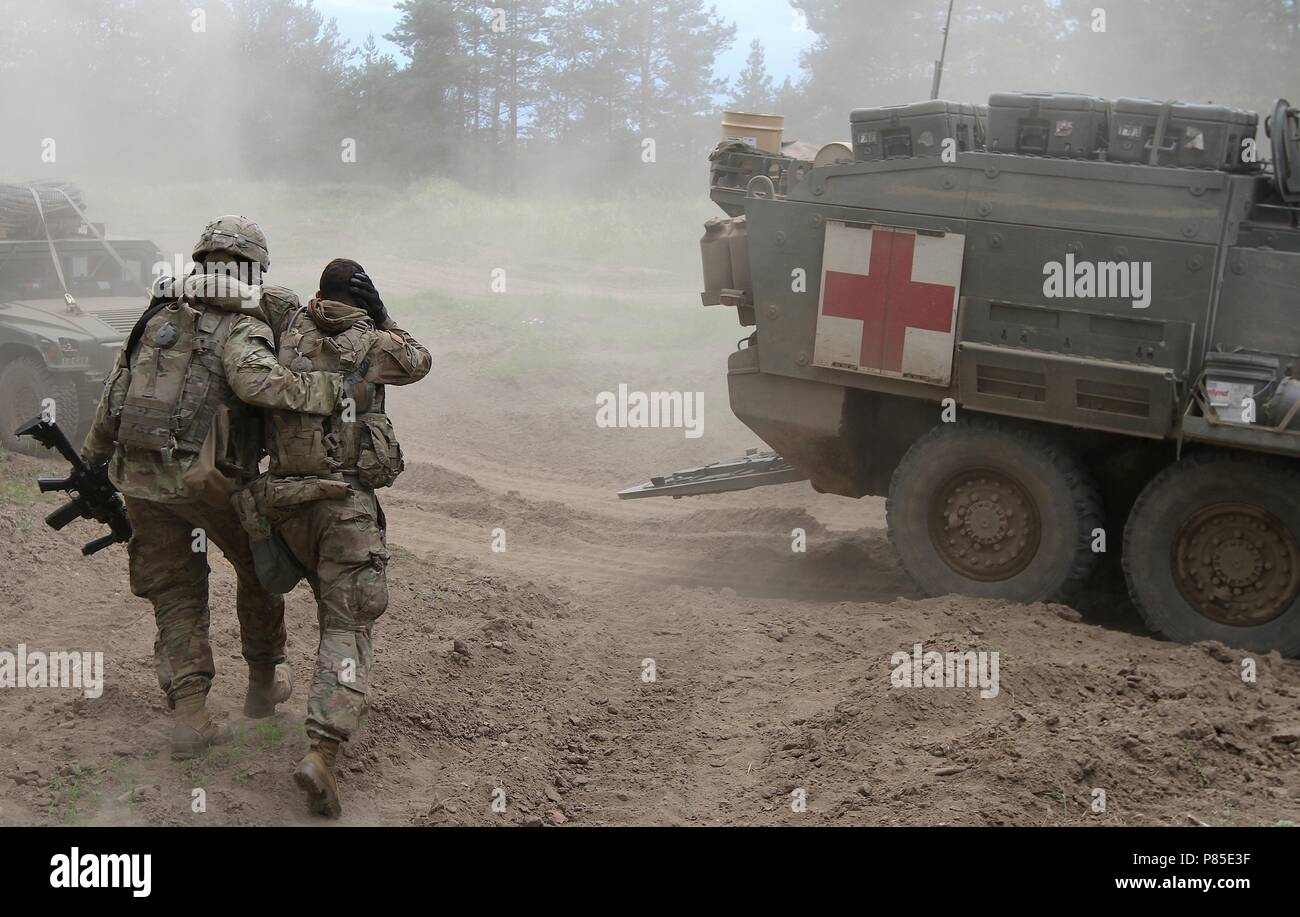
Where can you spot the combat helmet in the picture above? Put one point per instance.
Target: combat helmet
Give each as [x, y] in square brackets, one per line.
[234, 235]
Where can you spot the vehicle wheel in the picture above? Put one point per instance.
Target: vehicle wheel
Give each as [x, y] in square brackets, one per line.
[1212, 552]
[994, 509]
[24, 384]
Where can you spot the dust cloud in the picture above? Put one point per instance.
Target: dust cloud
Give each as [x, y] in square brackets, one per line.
[570, 133]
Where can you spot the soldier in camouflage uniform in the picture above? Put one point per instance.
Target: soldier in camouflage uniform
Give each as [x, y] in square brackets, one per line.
[319, 499]
[178, 428]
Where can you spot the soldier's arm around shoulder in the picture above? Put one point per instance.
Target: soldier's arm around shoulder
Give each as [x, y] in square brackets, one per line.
[277, 304]
[396, 358]
[258, 378]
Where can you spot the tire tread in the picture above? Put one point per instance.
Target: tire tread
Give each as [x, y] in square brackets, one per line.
[1085, 495]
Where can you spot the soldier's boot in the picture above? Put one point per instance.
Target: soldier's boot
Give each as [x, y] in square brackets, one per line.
[194, 731]
[268, 685]
[315, 775]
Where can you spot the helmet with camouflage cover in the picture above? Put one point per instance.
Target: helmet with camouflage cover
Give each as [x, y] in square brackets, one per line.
[235, 235]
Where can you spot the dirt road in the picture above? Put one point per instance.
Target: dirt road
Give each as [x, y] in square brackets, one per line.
[525, 673]
[639, 662]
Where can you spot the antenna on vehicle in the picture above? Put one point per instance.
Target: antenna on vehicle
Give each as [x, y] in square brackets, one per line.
[943, 54]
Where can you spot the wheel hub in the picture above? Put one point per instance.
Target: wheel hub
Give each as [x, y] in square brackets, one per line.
[1237, 564]
[984, 525]
[983, 521]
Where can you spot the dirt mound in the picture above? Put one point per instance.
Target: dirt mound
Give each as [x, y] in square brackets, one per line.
[436, 482]
[1170, 735]
[459, 496]
[628, 665]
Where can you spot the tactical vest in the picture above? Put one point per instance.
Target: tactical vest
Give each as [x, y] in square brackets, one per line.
[346, 443]
[178, 388]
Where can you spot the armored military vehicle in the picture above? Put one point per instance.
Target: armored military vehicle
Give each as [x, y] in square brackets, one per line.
[68, 299]
[1056, 333]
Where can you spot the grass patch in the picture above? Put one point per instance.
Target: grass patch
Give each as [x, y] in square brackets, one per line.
[554, 333]
[225, 757]
[521, 362]
[1200, 771]
[75, 796]
[17, 482]
[596, 249]
[17, 492]
[268, 735]
[431, 220]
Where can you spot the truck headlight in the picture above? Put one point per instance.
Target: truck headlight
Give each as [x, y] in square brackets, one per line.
[63, 352]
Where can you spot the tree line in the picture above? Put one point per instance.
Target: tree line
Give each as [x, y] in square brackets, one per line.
[588, 95]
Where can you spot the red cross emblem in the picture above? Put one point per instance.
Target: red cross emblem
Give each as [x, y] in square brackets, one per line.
[888, 300]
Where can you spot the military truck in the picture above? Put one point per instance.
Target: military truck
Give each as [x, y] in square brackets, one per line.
[1070, 346]
[68, 300]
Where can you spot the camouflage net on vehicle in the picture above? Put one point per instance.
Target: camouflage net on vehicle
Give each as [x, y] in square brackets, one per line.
[20, 219]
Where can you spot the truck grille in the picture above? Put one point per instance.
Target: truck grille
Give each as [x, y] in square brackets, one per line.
[121, 320]
[1113, 398]
[1005, 382]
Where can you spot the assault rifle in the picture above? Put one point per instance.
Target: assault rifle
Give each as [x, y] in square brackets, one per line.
[93, 495]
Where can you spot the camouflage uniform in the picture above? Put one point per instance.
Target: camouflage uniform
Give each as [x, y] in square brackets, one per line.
[176, 427]
[336, 532]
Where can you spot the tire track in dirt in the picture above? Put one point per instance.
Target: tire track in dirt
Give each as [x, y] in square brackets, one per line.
[754, 559]
[523, 673]
[756, 697]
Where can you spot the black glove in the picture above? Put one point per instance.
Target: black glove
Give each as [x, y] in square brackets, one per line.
[363, 288]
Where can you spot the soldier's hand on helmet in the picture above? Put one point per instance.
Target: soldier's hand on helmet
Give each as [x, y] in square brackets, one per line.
[363, 288]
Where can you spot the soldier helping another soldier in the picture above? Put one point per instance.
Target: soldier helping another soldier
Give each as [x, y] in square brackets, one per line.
[178, 428]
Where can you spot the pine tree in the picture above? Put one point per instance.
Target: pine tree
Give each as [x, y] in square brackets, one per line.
[754, 90]
[292, 65]
[671, 46]
[519, 58]
[566, 83]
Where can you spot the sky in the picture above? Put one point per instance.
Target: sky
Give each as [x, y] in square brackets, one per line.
[771, 21]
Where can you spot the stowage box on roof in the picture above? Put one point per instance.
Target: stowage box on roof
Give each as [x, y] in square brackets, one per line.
[918, 129]
[1060, 124]
[1183, 134]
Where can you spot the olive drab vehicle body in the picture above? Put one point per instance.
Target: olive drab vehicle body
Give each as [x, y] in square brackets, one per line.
[68, 300]
[1071, 347]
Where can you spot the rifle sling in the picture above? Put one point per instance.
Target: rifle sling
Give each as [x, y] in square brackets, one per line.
[137, 331]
